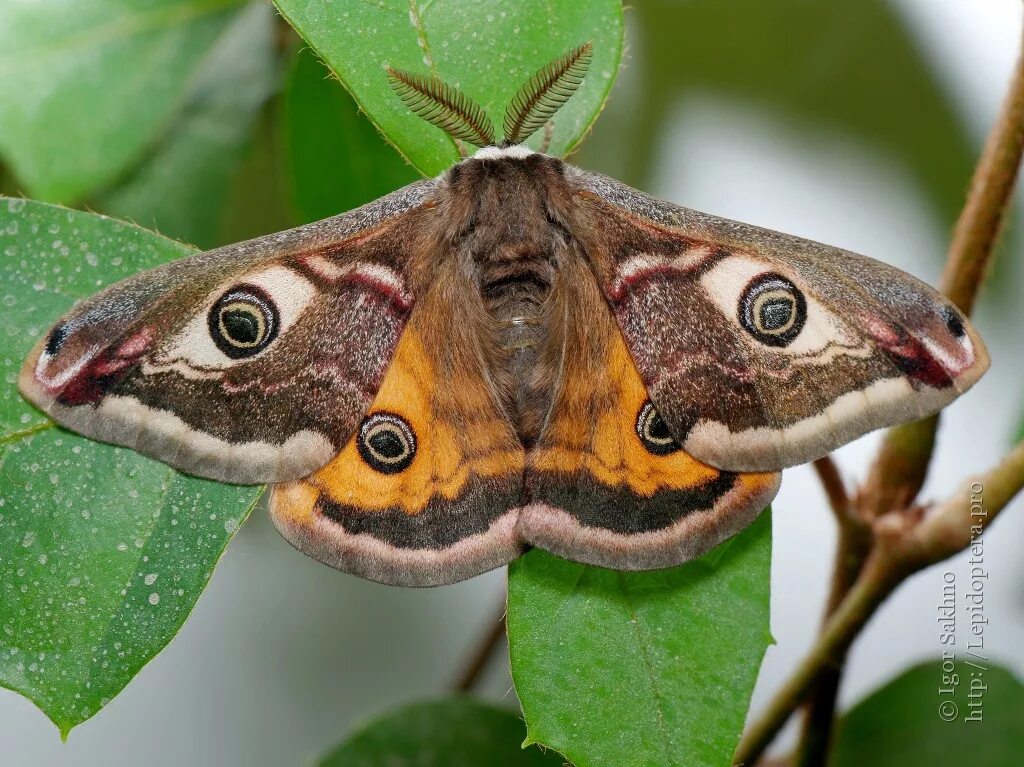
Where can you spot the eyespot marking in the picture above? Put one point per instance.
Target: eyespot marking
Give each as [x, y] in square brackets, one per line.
[653, 431]
[772, 310]
[386, 442]
[243, 322]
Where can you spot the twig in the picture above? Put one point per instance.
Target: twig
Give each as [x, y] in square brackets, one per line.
[835, 489]
[902, 464]
[900, 468]
[984, 213]
[870, 567]
[903, 546]
[852, 548]
[481, 657]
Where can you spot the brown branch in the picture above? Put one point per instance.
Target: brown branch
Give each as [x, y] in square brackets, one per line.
[835, 488]
[893, 541]
[984, 213]
[951, 527]
[900, 468]
[904, 544]
[902, 464]
[852, 549]
[481, 657]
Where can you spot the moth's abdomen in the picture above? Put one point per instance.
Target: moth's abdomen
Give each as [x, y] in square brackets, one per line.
[518, 308]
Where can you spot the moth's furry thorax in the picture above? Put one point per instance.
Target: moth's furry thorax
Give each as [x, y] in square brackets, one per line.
[507, 213]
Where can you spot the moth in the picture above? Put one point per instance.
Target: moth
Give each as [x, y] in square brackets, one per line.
[516, 353]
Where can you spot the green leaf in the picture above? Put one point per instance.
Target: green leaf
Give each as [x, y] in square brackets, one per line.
[617, 669]
[486, 49]
[456, 732]
[853, 69]
[180, 187]
[86, 87]
[103, 553]
[8, 186]
[913, 721]
[258, 202]
[337, 160]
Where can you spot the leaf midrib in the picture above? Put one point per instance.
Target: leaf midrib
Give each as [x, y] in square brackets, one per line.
[118, 604]
[657, 696]
[15, 436]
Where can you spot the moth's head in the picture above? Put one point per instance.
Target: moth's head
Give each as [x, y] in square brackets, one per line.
[531, 109]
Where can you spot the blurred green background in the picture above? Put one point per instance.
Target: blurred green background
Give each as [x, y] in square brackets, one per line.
[852, 123]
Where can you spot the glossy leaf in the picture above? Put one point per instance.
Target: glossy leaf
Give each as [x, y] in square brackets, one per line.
[853, 69]
[103, 553]
[486, 49]
[617, 669]
[337, 160]
[456, 732]
[180, 187]
[86, 87]
[922, 719]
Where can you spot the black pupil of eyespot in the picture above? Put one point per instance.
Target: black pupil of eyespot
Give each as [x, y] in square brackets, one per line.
[243, 322]
[776, 313]
[241, 325]
[656, 427]
[387, 444]
[772, 310]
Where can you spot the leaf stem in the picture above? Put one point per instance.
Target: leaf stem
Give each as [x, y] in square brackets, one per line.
[884, 537]
[477, 663]
[852, 549]
[902, 464]
[904, 544]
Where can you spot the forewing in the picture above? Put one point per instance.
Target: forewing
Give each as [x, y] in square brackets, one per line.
[253, 363]
[762, 350]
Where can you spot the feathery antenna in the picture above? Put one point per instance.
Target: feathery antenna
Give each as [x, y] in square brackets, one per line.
[545, 93]
[444, 106]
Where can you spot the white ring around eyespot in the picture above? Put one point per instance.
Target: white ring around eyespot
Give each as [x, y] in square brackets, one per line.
[193, 353]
